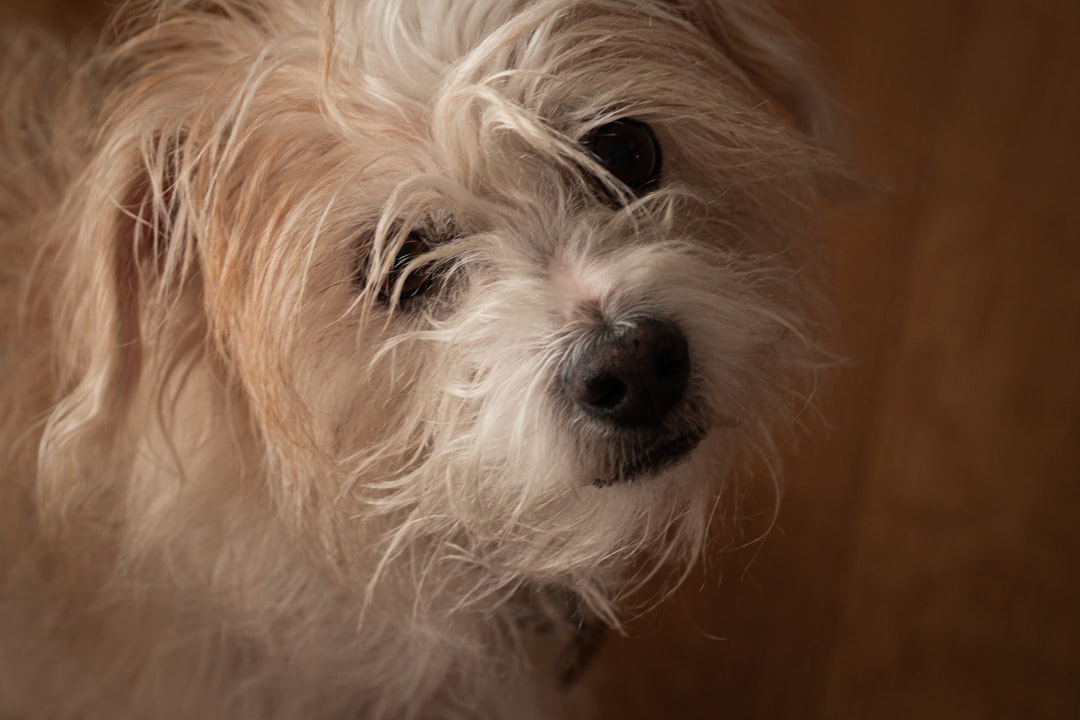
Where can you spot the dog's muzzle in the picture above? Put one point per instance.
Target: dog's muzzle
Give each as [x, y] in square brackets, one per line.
[631, 380]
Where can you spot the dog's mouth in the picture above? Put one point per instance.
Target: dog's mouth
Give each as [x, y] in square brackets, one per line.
[655, 458]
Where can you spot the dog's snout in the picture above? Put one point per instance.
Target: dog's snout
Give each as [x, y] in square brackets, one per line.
[634, 375]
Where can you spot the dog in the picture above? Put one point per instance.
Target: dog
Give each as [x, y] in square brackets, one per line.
[359, 359]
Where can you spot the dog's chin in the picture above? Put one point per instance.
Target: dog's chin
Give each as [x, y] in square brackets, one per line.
[652, 460]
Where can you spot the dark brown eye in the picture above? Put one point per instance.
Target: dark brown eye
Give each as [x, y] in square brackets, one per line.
[628, 150]
[418, 281]
[405, 282]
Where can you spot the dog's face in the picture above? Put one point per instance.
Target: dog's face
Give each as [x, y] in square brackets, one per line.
[515, 282]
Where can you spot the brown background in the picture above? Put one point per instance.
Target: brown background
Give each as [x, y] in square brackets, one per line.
[926, 560]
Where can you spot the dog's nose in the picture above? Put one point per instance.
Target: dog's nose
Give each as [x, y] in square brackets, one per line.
[632, 375]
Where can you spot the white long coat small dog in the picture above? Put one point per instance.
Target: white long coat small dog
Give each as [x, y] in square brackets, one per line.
[349, 351]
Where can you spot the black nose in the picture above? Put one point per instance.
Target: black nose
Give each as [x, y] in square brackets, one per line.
[633, 374]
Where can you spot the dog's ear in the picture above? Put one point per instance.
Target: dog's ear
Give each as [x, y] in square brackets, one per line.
[128, 252]
[771, 56]
[108, 251]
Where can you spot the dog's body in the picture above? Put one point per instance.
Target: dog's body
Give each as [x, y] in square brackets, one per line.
[351, 350]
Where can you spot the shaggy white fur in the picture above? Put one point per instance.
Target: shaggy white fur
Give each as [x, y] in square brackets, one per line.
[322, 381]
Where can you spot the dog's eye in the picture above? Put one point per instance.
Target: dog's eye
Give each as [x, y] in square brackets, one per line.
[418, 281]
[628, 150]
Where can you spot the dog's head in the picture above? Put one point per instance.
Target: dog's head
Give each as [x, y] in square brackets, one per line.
[514, 282]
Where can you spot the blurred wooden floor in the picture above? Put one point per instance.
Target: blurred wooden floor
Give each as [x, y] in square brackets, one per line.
[927, 559]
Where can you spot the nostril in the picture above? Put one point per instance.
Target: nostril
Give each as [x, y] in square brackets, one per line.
[604, 392]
